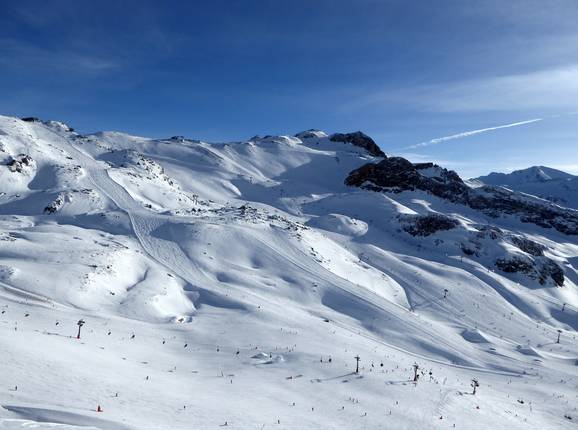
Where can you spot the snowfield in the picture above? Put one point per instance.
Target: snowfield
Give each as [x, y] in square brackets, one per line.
[233, 284]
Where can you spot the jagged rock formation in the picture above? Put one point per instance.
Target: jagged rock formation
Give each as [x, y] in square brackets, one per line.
[397, 174]
[19, 163]
[540, 269]
[55, 205]
[515, 265]
[528, 246]
[358, 139]
[31, 119]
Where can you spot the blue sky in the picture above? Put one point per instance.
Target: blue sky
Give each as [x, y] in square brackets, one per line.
[405, 72]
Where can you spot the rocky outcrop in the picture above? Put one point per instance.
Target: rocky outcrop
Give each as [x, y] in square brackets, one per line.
[515, 265]
[541, 269]
[19, 163]
[529, 246]
[396, 174]
[489, 232]
[30, 119]
[55, 205]
[358, 139]
[425, 225]
[550, 269]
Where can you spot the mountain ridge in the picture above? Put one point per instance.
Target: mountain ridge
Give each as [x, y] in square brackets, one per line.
[550, 184]
[530, 174]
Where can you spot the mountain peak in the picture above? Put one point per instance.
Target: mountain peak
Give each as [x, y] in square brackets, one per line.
[544, 182]
[311, 134]
[360, 139]
[523, 176]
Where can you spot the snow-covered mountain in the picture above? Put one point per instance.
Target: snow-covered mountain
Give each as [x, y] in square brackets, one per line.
[544, 182]
[234, 285]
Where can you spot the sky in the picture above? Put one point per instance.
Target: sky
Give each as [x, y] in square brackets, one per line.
[474, 85]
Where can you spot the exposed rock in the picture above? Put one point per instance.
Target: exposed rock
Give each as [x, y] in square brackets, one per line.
[56, 205]
[424, 225]
[489, 232]
[550, 269]
[540, 269]
[397, 174]
[30, 119]
[358, 139]
[528, 246]
[20, 162]
[515, 265]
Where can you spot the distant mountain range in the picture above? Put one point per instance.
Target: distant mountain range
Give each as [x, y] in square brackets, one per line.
[544, 182]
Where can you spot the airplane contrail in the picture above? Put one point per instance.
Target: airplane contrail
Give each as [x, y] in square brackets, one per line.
[438, 140]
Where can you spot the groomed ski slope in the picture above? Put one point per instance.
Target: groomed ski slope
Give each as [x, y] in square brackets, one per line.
[217, 280]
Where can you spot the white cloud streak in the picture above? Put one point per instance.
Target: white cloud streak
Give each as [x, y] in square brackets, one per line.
[439, 140]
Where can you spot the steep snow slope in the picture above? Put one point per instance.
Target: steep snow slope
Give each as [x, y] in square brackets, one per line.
[544, 182]
[233, 285]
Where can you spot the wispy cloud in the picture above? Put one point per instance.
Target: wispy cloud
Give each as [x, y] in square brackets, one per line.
[17, 54]
[546, 90]
[463, 134]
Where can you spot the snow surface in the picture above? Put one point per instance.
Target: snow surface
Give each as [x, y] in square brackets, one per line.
[218, 280]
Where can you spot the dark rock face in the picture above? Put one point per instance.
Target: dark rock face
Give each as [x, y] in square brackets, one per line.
[394, 172]
[497, 201]
[359, 139]
[515, 265]
[552, 270]
[18, 163]
[541, 269]
[397, 174]
[30, 119]
[490, 232]
[55, 206]
[528, 246]
[426, 225]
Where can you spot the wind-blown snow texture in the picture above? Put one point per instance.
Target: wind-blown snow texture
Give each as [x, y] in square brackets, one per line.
[233, 284]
